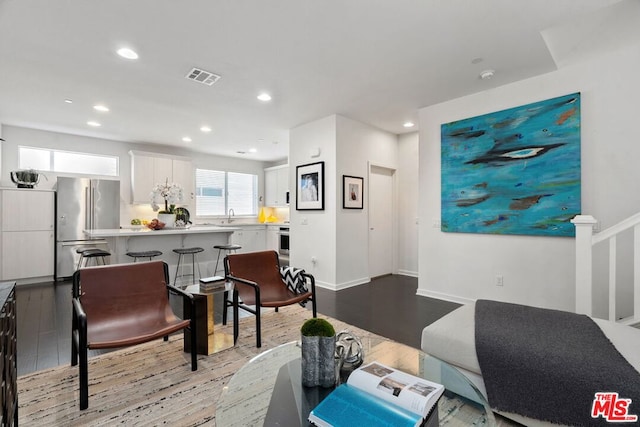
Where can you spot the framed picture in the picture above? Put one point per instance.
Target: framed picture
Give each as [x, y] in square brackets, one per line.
[352, 192]
[310, 186]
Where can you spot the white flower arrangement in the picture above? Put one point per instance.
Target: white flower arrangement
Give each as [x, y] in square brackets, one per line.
[171, 193]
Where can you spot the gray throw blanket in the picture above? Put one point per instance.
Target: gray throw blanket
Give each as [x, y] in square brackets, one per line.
[548, 364]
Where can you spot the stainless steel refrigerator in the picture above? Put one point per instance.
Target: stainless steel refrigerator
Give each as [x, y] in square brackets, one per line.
[83, 204]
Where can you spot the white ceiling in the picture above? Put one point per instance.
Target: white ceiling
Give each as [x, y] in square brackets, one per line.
[376, 61]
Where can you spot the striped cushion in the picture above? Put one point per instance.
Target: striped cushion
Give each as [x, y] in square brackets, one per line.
[294, 279]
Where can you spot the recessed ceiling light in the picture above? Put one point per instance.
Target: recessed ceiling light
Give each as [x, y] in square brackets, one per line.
[101, 108]
[477, 60]
[205, 129]
[253, 150]
[127, 53]
[69, 101]
[487, 74]
[186, 139]
[94, 124]
[408, 125]
[264, 97]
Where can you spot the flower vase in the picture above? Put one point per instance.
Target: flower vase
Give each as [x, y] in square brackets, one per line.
[168, 219]
[318, 361]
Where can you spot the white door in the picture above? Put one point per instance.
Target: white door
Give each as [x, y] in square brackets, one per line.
[381, 219]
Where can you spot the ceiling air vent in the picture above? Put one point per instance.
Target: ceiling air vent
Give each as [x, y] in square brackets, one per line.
[202, 76]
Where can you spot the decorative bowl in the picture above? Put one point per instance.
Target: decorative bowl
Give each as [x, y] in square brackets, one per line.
[155, 224]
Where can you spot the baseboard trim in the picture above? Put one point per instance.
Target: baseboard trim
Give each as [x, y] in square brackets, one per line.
[408, 273]
[445, 297]
[345, 285]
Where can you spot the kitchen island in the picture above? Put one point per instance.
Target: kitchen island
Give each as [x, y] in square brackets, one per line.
[125, 240]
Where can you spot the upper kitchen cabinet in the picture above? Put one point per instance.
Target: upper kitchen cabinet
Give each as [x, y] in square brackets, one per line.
[149, 169]
[276, 185]
[183, 175]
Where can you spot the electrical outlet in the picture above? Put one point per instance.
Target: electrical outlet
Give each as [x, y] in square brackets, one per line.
[499, 280]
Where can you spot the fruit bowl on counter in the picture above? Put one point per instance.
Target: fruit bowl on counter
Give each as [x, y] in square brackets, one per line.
[155, 224]
[138, 224]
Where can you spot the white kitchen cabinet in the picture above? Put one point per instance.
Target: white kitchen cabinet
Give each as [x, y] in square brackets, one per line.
[276, 185]
[251, 238]
[27, 254]
[272, 237]
[183, 174]
[27, 210]
[149, 169]
[28, 239]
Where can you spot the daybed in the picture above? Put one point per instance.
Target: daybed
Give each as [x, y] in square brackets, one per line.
[452, 339]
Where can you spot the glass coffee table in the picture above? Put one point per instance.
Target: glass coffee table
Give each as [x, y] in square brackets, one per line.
[267, 390]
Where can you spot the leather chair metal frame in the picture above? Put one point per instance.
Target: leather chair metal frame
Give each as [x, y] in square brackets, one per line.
[257, 282]
[123, 305]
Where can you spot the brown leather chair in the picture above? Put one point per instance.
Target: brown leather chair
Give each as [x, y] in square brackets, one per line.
[257, 282]
[122, 305]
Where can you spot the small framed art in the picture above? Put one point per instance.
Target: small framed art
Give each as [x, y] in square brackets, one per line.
[352, 192]
[310, 186]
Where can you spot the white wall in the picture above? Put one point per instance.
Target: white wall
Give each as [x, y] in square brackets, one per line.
[407, 176]
[336, 237]
[16, 136]
[313, 233]
[537, 270]
[358, 145]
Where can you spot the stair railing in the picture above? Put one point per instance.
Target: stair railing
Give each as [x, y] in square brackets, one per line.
[585, 241]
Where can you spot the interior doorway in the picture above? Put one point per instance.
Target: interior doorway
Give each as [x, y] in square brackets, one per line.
[381, 221]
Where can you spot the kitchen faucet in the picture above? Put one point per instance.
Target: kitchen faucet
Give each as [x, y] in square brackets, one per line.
[231, 212]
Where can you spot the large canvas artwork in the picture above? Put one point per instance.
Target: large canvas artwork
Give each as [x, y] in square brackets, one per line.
[515, 171]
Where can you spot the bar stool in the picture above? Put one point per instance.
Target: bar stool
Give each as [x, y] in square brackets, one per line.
[143, 254]
[87, 254]
[187, 251]
[227, 249]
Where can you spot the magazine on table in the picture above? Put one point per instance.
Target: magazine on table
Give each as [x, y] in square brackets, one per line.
[376, 395]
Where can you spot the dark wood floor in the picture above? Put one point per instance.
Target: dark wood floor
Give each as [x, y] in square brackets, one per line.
[387, 306]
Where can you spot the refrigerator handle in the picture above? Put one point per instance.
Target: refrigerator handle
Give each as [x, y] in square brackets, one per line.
[88, 210]
[92, 206]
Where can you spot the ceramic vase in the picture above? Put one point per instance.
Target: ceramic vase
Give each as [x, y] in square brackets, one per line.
[262, 217]
[318, 361]
[168, 219]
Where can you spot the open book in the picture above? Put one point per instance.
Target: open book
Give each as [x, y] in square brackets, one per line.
[377, 395]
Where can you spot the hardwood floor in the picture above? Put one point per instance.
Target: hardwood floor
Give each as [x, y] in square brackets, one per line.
[387, 306]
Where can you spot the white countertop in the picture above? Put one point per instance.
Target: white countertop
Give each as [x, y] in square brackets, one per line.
[246, 224]
[144, 231]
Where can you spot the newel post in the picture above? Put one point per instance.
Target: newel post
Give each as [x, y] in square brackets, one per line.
[584, 234]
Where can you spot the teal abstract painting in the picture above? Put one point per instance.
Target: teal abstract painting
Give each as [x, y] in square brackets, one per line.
[515, 171]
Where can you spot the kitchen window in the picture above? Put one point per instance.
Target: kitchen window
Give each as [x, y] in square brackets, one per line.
[219, 191]
[44, 159]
